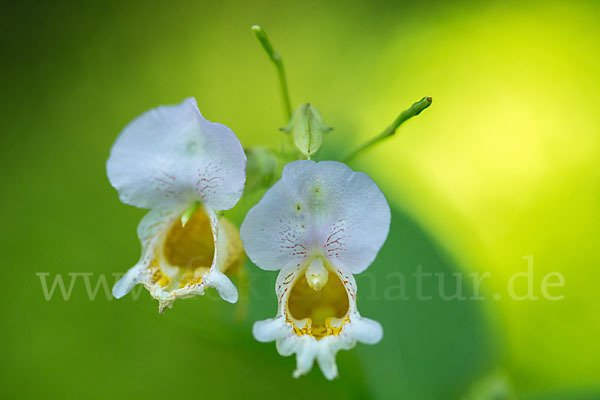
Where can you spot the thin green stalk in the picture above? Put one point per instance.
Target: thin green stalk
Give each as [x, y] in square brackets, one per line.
[415, 109]
[275, 57]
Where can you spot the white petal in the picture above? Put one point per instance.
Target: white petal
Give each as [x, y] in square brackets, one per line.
[273, 236]
[216, 278]
[306, 353]
[128, 281]
[270, 329]
[223, 284]
[321, 208]
[329, 346]
[326, 360]
[365, 330]
[288, 345]
[172, 154]
[326, 356]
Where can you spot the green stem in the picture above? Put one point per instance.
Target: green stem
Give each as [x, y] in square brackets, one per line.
[415, 109]
[275, 57]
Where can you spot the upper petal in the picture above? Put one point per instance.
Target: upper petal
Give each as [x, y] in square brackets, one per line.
[322, 208]
[172, 154]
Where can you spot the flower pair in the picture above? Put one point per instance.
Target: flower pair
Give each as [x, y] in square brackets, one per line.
[318, 225]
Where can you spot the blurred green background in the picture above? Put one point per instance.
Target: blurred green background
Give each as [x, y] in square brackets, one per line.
[505, 164]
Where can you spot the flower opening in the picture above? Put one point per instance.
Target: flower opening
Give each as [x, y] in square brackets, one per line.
[317, 313]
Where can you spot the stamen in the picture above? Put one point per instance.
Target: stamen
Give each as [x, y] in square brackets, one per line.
[316, 274]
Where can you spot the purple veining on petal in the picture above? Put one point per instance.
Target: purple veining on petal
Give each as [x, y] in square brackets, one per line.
[347, 282]
[209, 180]
[335, 243]
[289, 239]
[284, 286]
[165, 186]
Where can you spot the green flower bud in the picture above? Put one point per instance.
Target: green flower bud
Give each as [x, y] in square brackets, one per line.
[307, 129]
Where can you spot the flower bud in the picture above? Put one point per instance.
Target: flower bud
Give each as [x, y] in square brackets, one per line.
[307, 129]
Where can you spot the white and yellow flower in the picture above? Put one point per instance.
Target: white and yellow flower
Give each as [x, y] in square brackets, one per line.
[184, 168]
[319, 225]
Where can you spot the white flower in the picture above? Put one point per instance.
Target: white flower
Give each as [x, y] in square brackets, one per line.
[319, 225]
[176, 163]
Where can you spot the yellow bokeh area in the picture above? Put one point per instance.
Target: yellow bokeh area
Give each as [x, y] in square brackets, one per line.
[506, 164]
